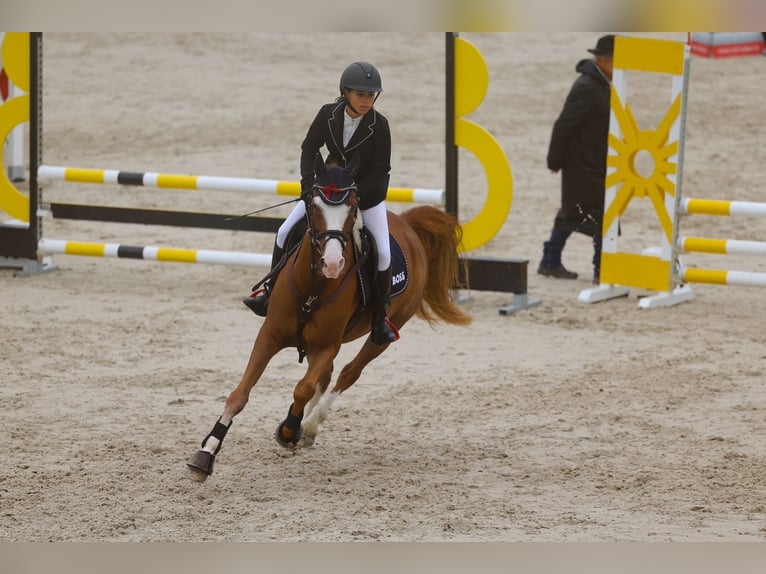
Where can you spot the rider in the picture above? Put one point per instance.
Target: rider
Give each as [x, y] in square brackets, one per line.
[349, 126]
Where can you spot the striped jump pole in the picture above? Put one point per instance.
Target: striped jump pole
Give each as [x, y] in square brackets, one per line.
[723, 277]
[711, 245]
[153, 253]
[691, 205]
[212, 183]
[722, 247]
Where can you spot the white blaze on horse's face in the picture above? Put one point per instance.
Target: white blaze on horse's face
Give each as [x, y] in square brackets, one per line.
[332, 260]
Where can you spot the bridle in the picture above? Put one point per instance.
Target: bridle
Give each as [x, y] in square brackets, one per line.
[330, 195]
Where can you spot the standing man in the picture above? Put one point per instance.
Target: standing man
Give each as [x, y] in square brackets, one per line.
[578, 149]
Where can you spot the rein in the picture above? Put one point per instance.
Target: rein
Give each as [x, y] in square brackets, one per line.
[234, 218]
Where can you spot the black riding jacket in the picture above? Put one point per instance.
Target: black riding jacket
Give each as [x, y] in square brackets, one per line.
[371, 140]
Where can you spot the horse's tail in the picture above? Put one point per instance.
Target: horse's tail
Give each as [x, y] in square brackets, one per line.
[441, 234]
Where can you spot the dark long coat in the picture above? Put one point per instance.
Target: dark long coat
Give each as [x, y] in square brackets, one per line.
[371, 140]
[578, 148]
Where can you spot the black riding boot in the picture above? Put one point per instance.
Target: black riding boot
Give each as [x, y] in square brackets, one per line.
[258, 301]
[382, 332]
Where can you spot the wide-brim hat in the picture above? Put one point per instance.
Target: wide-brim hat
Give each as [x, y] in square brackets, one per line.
[604, 46]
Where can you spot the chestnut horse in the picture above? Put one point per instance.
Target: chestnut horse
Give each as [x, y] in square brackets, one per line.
[318, 303]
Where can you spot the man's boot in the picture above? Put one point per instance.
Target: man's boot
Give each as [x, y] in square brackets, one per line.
[382, 331]
[550, 264]
[258, 301]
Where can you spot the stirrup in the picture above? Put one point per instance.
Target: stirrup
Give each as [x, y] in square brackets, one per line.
[384, 332]
[258, 301]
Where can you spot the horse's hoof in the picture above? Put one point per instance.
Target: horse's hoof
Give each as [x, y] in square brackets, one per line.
[285, 442]
[308, 439]
[201, 465]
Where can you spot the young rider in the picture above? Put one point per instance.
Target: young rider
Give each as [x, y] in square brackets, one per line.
[347, 127]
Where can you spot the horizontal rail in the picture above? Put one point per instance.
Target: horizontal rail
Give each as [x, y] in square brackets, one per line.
[212, 183]
[722, 246]
[723, 277]
[722, 207]
[153, 253]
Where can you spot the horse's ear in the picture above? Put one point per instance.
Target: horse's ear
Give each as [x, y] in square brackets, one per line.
[319, 166]
[353, 166]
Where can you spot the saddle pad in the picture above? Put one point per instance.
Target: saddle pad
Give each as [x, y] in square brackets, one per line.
[400, 273]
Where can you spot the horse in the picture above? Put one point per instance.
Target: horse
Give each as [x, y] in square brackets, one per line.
[317, 303]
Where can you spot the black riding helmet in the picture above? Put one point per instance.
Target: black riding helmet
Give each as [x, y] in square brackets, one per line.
[361, 76]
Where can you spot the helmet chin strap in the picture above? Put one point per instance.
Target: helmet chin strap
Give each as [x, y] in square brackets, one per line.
[349, 106]
[348, 103]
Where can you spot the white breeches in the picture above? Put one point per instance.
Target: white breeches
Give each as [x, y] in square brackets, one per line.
[375, 219]
[298, 213]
